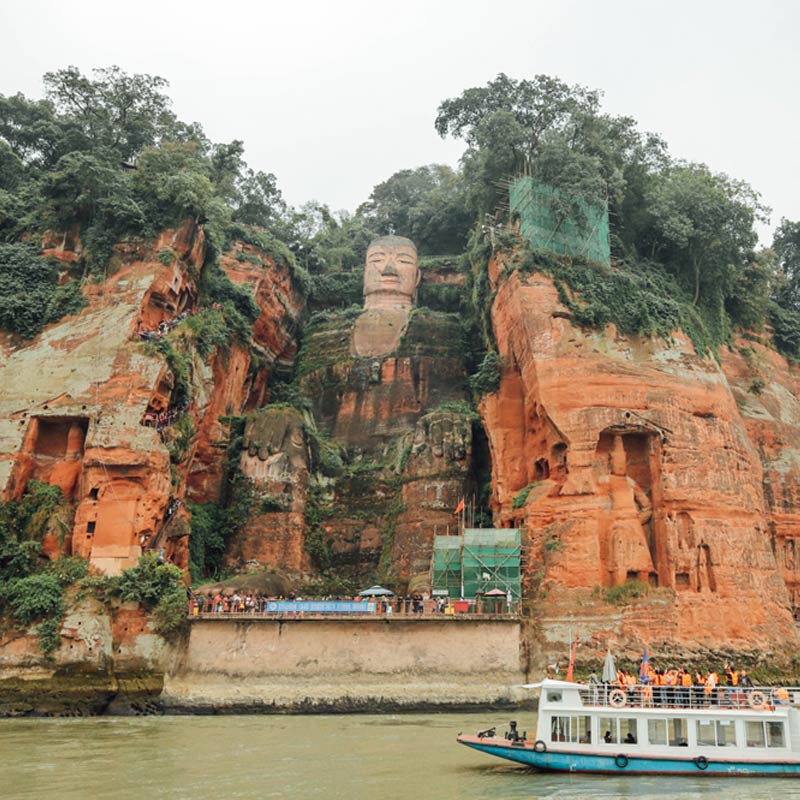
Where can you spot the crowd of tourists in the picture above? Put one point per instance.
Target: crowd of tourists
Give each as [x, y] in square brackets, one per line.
[681, 687]
[166, 325]
[257, 603]
[236, 602]
[163, 419]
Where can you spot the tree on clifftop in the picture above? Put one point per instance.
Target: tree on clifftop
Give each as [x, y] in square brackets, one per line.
[703, 227]
[557, 133]
[787, 248]
[121, 112]
[427, 204]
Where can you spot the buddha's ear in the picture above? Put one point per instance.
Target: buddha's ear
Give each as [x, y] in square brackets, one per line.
[419, 277]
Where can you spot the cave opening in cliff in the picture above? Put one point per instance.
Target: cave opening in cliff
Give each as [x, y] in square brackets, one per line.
[482, 476]
[58, 437]
[52, 453]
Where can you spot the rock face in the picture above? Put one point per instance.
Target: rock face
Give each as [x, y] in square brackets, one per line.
[109, 661]
[637, 465]
[767, 392]
[658, 490]
[82, 404]
[406, 441]
[276, 460]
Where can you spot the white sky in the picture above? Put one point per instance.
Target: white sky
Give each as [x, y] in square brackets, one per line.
[333, 97]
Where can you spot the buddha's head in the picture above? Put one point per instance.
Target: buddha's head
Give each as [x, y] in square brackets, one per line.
[391, 273]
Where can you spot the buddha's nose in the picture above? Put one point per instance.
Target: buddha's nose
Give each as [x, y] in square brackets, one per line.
[390, 270]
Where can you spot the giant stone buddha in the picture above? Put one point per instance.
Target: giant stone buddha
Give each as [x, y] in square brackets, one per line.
[377, 385]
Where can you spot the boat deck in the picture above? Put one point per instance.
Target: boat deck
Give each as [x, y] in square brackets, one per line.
[688, 697]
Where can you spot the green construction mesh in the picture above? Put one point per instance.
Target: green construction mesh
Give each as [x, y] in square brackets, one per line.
[541, 223]
[483, 558]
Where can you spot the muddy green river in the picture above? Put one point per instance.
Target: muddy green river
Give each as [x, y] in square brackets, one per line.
[385, 757]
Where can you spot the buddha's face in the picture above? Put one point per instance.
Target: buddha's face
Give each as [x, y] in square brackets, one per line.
[391, 274]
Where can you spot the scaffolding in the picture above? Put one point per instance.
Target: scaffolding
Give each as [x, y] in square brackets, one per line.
[477, 562]
[584, 233]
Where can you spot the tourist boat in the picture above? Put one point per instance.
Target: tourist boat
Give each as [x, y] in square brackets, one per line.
[600, 728]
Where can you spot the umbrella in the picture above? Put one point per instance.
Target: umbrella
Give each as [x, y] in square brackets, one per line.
[609, 668]
[495, 593]
[376, 591]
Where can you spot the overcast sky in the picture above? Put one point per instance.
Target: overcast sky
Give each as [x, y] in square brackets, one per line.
[333, 97]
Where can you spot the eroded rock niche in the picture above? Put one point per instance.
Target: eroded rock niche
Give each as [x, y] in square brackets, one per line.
[630, 538]
[52, 452]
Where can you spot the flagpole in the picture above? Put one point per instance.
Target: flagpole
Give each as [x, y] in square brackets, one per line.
[463, 524]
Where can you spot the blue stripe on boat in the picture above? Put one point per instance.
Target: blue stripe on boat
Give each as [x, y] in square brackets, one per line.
[579, 762]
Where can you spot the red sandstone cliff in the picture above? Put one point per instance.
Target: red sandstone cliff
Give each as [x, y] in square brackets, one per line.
[640, 465]
[76, 397]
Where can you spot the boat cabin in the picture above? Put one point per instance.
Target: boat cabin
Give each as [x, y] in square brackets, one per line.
[598, 717]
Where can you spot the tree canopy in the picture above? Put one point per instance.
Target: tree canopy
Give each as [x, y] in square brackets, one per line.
[106, 155]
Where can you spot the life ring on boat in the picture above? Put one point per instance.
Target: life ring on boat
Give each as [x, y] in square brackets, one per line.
[617, 698]
[701, 762]
[621, 760]
[539, 746]
[757, 700]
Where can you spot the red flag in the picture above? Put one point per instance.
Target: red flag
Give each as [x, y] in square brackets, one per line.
[459, 508]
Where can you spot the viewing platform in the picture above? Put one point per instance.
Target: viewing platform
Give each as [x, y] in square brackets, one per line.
[750, 698]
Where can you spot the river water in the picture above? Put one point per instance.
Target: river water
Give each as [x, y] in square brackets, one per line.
[358, 757]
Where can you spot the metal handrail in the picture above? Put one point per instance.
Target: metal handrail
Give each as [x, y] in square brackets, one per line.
[751, 698]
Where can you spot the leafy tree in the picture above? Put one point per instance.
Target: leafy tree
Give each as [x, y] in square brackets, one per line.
[506, 126]
[326, 241]
[748, 302]
[786, 245]
[703, 226]
[115, 110]
[149, 581]
[30, 296]
[259, 201]
[35, 596]
[33, 131]
[427, 204]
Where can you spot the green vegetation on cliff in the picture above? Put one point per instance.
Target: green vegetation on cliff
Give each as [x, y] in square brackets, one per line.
[682, 236]
[30, 294]
[34, 590]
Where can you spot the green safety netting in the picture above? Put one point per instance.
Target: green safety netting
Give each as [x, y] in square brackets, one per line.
[481, 560]
[543, 223]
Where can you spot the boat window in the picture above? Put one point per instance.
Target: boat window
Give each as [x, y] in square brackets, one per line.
[775, 737]
[612, 730]
[571, 729]
[584, 729]
[607, 730]
[627, 731]
[726, 733]
[764, 734]
[706, 733]
[678, 730]
[657, 731]
[554, 697]
[716, 733]
[754, 731]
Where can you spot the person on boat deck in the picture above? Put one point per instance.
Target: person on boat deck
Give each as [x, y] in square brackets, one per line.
[744, 679]
[630, 738]
[712, 681]
[607, 737]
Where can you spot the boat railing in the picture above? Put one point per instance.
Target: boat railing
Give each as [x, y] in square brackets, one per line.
[753, 698]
